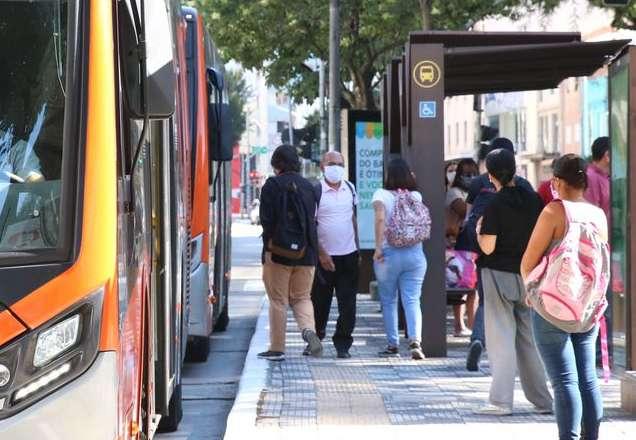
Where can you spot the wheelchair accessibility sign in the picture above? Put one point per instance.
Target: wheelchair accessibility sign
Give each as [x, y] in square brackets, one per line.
[428, 109]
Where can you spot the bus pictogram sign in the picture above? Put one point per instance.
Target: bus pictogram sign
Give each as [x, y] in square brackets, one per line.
[426, 74]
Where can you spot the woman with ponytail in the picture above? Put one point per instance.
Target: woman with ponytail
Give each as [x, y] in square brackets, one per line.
[503, 233]
[569, 357]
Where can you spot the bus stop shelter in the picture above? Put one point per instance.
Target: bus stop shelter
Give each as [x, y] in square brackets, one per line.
[436, 65]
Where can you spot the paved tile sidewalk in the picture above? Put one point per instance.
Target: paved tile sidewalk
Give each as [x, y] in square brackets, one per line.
[328, 395]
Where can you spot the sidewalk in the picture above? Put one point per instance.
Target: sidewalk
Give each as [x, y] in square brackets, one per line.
[329, 398]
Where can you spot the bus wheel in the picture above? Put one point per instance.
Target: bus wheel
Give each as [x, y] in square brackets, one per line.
[170, 423]
[198, 349]
[224, 319]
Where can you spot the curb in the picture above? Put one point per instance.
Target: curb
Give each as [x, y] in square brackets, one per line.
[241, 421]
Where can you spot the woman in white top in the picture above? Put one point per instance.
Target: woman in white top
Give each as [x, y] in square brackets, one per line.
[398, 268]
[455, 215]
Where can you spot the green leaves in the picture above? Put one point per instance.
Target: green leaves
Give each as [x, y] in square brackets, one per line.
[238, 93]
[278, 36]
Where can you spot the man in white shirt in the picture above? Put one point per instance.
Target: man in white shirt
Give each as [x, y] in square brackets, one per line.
[338, 253]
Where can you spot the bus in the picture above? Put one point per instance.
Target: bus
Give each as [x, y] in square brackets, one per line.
[211, 187]
[96, 217]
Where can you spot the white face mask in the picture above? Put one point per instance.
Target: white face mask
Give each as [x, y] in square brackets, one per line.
[334, 173]
[451, 176]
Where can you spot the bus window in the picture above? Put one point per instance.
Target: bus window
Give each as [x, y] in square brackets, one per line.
[32, 103]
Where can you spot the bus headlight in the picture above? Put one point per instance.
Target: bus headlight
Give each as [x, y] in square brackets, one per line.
[50, 356]
[5, 375]
[56, 340]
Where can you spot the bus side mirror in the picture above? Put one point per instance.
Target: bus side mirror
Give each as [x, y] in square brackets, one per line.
[219, 122]
[160, 69]
[160, 80]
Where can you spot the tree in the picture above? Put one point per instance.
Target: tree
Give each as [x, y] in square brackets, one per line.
[279, 36]
[624, 17]
[238, 93]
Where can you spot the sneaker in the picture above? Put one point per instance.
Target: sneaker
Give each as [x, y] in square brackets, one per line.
[307, 351]
[492, 410]
[474, 355]
[416, 351]
[389, 352]
[313, 342]
[343, 354]
[272, 355]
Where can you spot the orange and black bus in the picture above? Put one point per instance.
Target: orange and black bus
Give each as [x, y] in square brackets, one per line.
[211, 187]
[96, 214]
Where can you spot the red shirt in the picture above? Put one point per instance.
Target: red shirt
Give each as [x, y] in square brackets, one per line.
[598, 189]
[545, 192]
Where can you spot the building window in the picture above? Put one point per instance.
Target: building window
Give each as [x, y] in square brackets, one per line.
[465, 133]
[457, 133]
[520, 130]
[556, 141]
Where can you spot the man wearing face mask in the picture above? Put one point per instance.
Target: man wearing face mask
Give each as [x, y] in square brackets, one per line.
[337, 253]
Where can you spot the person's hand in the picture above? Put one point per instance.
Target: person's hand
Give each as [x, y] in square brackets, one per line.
[326, 262]
[378, 256]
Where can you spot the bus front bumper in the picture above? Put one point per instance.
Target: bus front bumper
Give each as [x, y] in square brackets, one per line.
[85, 408]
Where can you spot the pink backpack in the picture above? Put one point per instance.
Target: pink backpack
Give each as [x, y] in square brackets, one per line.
[568, 287]
[461, 271]
[410, 222]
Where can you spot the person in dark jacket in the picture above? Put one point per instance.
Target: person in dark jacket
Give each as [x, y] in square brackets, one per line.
[288, 281]
[503, 233]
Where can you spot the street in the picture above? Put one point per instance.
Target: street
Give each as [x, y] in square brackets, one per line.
[209, 388]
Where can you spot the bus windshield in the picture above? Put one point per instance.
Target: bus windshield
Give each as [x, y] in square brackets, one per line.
[33, 44]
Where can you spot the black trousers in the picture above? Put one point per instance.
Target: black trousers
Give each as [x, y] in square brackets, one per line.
[345, 282]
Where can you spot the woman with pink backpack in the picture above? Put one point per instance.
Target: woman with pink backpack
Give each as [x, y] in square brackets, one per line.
[566, 272]
[402, 222]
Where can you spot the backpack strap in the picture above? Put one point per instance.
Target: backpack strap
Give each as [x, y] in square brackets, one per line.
[604, 349]
[318, 192]
[353, 195]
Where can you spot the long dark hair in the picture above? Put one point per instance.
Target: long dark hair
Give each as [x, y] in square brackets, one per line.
[285, 159]
[501, 165]
[399, 176]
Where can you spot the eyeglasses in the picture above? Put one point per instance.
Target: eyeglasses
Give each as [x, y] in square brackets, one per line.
[340, 164]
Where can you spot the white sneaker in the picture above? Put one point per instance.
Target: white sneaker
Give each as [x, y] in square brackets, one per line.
[492, 410]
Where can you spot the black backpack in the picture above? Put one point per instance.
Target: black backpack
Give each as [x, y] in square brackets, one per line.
[290, 238]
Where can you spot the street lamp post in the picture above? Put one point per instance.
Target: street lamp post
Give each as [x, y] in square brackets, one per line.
[334, 75]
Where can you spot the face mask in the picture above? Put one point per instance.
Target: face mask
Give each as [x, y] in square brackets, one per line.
[451, 176]
[466, 180]
[334, 173]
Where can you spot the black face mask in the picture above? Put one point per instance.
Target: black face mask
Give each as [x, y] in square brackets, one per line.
[465, 181]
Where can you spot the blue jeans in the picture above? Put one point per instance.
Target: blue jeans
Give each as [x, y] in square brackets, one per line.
[570, 361]
[479, 333]
[404, 268]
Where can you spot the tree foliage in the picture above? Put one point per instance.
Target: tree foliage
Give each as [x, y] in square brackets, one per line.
[279, 36]
[238, 93]
[624, 17]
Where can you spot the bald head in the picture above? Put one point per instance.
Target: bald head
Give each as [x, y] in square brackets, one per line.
[331, 158]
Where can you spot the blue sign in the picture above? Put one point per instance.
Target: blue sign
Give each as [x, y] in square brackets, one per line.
[428, 109]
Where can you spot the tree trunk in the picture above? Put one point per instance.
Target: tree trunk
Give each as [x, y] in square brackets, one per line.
[362, 96]
[427, 20]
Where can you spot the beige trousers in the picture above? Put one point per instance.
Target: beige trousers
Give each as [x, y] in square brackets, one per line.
[287, 285]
